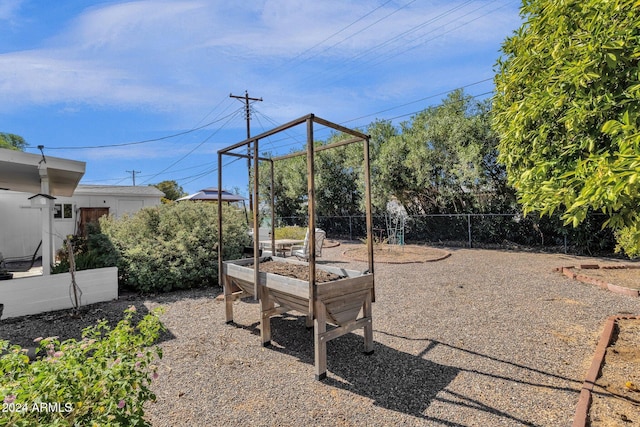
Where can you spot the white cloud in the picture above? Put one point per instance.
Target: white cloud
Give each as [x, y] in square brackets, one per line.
[178, 55]
[9, 9]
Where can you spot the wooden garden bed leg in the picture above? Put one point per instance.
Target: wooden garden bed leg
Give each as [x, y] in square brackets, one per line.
[228, 299]
[308, 321]
[267, 305]
[368, 328]
[320, 344]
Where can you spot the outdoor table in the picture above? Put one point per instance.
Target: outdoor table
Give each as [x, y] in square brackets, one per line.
[282, 245]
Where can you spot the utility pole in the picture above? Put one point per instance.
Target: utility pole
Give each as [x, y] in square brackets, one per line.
[133, 175]
[247, 110]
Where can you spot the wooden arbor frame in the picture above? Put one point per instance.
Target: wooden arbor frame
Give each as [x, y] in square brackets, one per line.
[316, 312]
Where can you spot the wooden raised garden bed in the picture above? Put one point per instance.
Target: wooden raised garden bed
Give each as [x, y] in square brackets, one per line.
[344, 303]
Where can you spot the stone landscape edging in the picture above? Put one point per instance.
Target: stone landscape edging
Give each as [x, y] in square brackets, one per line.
[568, 271]
[581, 416]
[446, 255]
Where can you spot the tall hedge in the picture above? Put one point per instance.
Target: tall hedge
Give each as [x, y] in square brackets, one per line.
[174, 246]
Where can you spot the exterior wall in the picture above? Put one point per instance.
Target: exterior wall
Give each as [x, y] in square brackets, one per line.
[38, 294]
[20, 225]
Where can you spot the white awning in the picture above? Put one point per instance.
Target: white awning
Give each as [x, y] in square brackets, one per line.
[20, 171]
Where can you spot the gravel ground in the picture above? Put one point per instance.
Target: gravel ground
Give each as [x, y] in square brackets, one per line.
[482, 338]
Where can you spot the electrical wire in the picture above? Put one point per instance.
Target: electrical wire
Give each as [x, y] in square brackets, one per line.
[350, 66]
[162, 138]
[230, 117]
[327, 39]
[353, 59]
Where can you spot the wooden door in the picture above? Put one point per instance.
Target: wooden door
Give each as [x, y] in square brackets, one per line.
[88, 216]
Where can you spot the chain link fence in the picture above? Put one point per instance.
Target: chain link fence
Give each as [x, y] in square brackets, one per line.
[475, 230]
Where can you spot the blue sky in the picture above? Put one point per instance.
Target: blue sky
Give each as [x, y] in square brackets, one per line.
[111, 74]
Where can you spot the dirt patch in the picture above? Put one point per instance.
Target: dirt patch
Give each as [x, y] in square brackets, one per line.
[297, 271]
[397, 254]
[628, 277]
[329, 243]
[616, 394]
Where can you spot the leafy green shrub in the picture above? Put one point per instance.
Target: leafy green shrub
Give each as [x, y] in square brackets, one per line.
[174, 246]
[93, 251]
[291, 232]
[628, 239]
[101, 380]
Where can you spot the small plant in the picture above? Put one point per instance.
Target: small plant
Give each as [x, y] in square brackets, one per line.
[376, 241]
[100, 380]
[93, 251]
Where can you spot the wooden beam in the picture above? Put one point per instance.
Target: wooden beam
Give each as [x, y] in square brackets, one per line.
[319, 148]
[246, 156]
[263, 135]
[338, 127]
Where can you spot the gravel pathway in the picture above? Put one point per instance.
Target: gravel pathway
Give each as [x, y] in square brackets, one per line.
[482, 338]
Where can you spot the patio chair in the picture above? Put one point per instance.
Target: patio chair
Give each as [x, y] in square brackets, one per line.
[303, 251]
[264, 235]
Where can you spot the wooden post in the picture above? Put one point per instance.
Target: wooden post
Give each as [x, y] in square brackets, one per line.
[320, 343]
[312, 218]
[266, 307]
[367, 189]
[367, 313]
[228, 300]
[273, 213]
[256, 224]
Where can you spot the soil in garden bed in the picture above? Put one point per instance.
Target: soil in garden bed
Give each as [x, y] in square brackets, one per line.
[616, 395]
[297, 271]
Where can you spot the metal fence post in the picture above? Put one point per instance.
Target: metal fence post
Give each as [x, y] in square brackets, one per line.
[469, 227]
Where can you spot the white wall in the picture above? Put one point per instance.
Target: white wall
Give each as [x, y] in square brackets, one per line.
[21, 225]
[39, 294]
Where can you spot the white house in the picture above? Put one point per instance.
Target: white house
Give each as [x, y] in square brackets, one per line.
[37, 203]
[20, 232]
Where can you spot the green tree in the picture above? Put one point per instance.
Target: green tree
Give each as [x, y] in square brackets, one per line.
[442, 160]
[171, 189]
[290, 186]
[12, 141]
[568, 113]
[337, 178]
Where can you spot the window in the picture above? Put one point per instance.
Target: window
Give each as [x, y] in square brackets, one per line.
[63, 211]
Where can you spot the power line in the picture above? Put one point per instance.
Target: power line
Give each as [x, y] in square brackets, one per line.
[420, 100]
[281, 146]
[162, 138]
[230, 117]
[330, 37]
[363, 53]
[397, 53]
[350, 65]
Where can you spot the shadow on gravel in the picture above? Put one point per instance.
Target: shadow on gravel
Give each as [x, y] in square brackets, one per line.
[458, 399]
[392, 379]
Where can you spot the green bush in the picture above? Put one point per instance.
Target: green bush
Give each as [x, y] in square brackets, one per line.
[93, 251]
[291, 232]
[100, 380]
[174, 246]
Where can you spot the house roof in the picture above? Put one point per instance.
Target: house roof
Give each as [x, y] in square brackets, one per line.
[211, 194]
[20, 171]
[121, 190]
